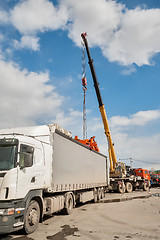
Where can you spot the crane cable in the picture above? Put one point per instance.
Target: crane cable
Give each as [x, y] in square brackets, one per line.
[84, 87]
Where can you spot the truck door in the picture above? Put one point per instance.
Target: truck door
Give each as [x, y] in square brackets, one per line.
[30, 170]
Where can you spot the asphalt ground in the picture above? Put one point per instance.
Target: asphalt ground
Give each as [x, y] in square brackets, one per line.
[134, 216]
[116, 197]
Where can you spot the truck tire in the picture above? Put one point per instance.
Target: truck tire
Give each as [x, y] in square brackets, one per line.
[145, 186]
[68, 204]
[99, 194]
[129, 187]
[121, 188]
[95, 194]
[102, 193]
[32, 217]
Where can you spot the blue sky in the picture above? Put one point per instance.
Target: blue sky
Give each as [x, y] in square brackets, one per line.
[41, 70]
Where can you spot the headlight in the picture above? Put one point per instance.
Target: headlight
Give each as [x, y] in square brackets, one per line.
[7, 211]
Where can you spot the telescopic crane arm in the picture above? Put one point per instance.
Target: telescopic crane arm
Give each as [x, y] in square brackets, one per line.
[112, 155]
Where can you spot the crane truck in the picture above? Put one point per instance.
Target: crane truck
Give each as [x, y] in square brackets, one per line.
[43, 170]
[118, 175]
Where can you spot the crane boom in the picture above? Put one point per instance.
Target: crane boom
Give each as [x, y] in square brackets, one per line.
[112, 155]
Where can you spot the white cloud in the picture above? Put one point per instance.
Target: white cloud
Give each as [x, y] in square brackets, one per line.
[138, 119]
[128, 71]
[30, 17]
[125, 36]
[140, 148]
[130, 137]
[99, 18]
[4, 17]
[27, 41]
[26, 96]
[138, 38]
[70, 119]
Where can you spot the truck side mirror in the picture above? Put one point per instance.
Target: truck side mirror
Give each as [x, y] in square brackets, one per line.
[30, 150]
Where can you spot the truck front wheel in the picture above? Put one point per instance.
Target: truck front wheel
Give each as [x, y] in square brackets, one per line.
[129, 187]
[32, 217]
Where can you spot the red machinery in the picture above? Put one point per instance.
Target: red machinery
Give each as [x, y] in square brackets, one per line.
[91, 143]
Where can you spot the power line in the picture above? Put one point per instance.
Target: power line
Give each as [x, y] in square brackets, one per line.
[138, 160]
[131, 160]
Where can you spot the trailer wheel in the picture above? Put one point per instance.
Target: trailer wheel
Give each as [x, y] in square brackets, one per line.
[145, 186]
[68, 204]
[32, 217]
[95, 195]
[102, 193]
[129, 187]
[121, 188]
[99, 194]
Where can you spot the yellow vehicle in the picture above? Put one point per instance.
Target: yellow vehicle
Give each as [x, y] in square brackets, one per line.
[116, 168]
[118, 179]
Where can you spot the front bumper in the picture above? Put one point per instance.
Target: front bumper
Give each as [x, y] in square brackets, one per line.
[14, 222]
[9, 226]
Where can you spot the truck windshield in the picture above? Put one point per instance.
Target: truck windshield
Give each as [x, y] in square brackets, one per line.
[8, 153]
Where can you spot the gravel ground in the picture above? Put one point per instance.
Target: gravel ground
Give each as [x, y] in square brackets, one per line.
[135, 219]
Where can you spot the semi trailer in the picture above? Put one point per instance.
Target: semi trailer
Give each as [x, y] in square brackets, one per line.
[43, 170]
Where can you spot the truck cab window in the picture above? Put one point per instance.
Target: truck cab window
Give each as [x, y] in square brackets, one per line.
[7, 157]
[26, 156]
[8, 153]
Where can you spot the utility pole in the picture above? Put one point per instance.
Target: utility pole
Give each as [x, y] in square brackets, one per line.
[131, 161]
